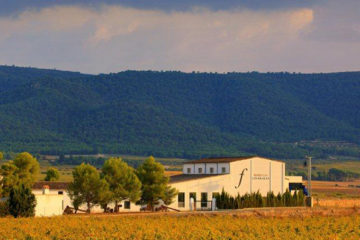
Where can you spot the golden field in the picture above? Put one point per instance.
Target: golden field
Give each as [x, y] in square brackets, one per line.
[296, 223]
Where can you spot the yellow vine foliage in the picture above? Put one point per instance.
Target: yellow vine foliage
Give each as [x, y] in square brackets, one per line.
[185, 227]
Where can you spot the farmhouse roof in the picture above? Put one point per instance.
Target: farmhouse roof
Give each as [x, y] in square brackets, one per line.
[51, 185]
[225, 159]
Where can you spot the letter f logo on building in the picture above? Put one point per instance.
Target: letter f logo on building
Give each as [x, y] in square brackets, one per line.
[241, 177]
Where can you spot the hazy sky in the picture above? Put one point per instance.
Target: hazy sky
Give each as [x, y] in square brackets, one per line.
[229, 35]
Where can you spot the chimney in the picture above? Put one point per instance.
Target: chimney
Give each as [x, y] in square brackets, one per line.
[46, 189]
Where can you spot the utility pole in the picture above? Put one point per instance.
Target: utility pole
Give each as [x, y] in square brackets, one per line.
[309, 174]
[309, 199]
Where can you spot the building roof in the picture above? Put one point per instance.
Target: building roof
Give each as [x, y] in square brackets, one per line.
[51, 185]
[226, 159]
[220, 159]
[188, 177]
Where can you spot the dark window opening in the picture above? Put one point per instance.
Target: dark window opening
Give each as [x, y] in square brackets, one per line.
[127, 205]
[204, 199]
[181, 199]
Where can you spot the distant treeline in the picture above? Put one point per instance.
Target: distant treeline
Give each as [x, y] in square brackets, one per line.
[333, 174]
[99, 161]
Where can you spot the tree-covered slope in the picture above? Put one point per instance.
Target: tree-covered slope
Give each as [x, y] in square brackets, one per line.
[176, 114]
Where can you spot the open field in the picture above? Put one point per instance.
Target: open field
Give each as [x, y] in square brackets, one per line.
[337, 203]
[298, 223]
[64, 170]
[331, 190]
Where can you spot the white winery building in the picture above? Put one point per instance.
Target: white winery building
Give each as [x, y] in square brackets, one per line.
[200, 180]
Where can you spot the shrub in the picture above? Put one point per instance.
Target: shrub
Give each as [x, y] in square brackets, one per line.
[270, 199]
[256, 200]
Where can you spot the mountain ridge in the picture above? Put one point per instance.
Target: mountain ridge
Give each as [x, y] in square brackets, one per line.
[179, 114]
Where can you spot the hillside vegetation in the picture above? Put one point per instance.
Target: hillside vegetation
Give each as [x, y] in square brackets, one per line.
[177, 114]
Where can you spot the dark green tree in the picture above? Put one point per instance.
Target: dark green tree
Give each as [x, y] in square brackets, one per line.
[154, 182]
[52, 174]
[21, 201]
[169, 195]
[87, 186]
[270, 199]
[123, 181]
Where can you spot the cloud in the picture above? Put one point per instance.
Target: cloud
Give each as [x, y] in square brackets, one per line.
[111, 38]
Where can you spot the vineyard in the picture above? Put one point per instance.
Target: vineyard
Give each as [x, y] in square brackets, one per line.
[183, 226]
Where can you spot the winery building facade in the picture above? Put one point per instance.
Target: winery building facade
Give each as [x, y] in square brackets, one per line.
[200, 180]
[203, 179]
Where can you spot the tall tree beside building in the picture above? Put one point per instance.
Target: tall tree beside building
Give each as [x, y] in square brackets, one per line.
[122, 180]
[52, 174]
[28, 167]
[22, 170]
[154, 182]
[10, 178]
[87, 186]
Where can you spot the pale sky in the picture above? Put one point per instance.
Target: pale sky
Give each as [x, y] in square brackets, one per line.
[216, 36]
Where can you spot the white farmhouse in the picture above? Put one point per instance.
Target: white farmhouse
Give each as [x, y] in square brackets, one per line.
[49, 198]
[52, 199]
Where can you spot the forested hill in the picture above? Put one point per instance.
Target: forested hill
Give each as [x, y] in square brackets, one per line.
[179, 114]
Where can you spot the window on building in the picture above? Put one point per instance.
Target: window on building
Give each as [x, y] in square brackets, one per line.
[181, 200]
[204, 199]
[211, 170]
[189, 170]
[127, 205]
[214, 194]
[223, 170]
[60, 192]
[200, 170]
